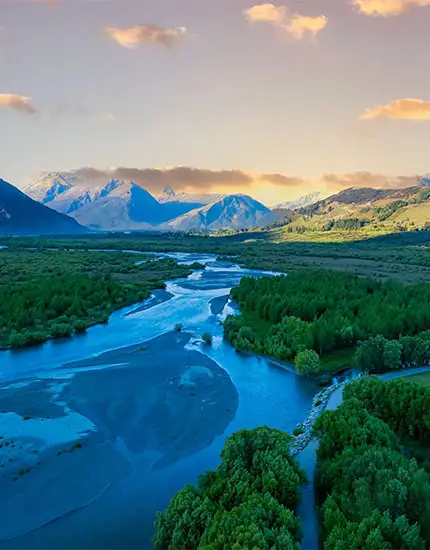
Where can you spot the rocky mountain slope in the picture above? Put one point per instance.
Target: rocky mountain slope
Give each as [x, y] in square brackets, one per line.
[21, 215]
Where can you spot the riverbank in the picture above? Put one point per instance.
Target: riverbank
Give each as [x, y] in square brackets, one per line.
[319, 405]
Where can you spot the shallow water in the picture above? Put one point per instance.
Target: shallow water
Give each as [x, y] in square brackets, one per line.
[123, 514]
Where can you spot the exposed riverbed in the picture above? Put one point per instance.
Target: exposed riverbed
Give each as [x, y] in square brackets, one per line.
[122, 417]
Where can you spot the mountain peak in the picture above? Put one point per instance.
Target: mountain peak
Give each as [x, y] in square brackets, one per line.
[236, 211]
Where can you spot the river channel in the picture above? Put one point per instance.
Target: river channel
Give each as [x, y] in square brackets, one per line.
[105, 427]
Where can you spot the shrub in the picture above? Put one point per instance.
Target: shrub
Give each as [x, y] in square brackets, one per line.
[207, 338]
[298, 430]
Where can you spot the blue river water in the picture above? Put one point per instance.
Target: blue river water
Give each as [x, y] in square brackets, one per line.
[123, 514]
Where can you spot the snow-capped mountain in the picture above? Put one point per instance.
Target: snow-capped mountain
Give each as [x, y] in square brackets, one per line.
[123, 205]
[231, 212]
[21, 215]
[301, 202]
[106, 204]
[169, 195]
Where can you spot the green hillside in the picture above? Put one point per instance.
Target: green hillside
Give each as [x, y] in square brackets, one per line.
[359, 212]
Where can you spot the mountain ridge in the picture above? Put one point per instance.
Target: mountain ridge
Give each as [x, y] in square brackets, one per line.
[21, 215]
[124, 205]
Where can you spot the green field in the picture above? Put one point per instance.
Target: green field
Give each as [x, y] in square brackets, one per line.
[422, 378]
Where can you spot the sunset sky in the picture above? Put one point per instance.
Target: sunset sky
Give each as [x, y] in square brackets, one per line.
[269, 99]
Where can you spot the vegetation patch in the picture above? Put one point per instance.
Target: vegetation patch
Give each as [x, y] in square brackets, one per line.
[54, 293]
[372, 492]
[248, 502]
[314, 313]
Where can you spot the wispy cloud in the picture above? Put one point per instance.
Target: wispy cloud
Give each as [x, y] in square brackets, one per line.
[337, 182]
[403, 109]
[100, 116]
[387, 8]
[281, 17]
[18, 102]
[132, 37]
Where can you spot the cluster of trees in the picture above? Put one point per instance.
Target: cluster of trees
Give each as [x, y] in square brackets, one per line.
[324, 311]
[49, 294]
[386, 211]
[248, 502]
[371, 495]
[403, 405]
[58, 306]
[378, 354]
[345, 224]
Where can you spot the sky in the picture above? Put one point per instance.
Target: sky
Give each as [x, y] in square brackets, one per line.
[274, 100]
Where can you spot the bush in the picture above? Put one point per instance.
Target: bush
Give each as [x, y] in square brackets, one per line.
[207, 338]
[298, 430]
[307, 362]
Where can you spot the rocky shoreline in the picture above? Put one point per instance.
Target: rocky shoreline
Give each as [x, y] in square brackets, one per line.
[319, 404]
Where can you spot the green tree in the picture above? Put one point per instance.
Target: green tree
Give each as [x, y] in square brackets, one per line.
[307, 362]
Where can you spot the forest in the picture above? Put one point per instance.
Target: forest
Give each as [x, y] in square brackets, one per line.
[49, 294]
[249, 501]
[373, 468]
[404, 257]
[325, 311]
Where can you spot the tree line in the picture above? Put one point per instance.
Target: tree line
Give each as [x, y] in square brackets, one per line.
[372, 495]
[378, 354]
[249, 501]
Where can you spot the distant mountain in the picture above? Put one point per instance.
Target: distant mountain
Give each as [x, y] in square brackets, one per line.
[305, 200]
[169, 195]
[21, 215]
[107, 205]
[231, 212]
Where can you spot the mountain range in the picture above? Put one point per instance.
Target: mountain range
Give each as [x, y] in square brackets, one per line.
[67, 203]
[124, 205]
[21, 215]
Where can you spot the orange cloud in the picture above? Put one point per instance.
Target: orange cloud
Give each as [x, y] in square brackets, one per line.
[387, 8]
[404, 109]
[17, 102]
[132, 37]
[295, 24]
[366, 179]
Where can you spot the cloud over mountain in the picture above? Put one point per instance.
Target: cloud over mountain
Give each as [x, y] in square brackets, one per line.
[132, 37]
[367, 179]
[281, 17]
[188, 179]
